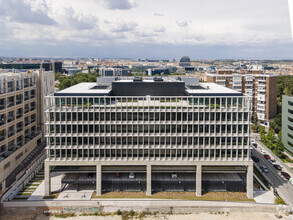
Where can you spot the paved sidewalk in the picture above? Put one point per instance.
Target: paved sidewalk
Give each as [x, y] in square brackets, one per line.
[265, 197]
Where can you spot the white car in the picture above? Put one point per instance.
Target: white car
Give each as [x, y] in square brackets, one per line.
[131, 176]
[262, 152]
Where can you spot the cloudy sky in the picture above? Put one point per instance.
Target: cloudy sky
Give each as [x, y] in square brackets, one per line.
[246, 29]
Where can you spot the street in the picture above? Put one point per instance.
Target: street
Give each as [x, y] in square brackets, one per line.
[274, 177]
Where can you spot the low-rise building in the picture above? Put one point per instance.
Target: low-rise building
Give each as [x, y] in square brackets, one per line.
[287, 122]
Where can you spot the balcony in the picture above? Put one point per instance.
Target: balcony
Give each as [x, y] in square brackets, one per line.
[11, 133]
[33, 108]
[26, 85]
[9, 89]
[19, 115]
[10, 104]
[26, 123]
[26, 110]
[2, 107]
[10, 118]
[18, 88]
[2, 138]
[18, 102]
[33, 96]
[1, 91]
[2, 122]
[33, 120]
[26, 98]
[19, 130]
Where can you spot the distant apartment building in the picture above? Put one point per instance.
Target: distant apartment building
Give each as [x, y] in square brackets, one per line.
[149, 134]
[287, 122]
[262, 87]
[106, 71]
[21, 117]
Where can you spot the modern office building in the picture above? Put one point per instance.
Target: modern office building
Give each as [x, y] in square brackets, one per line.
[262, 87]
[19, 114]
[158, 71]
[151, 134]
[106, 71]
[52, 66]
[185, 61]
[287, 122]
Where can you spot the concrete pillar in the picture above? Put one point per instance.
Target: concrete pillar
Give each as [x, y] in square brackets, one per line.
[149, 180]
[47, 179]
[99, 180]
[198, 180]
[3, 186]
[249, 181]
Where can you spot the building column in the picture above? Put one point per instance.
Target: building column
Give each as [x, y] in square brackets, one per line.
[99, 180]
[149, 180]
[198, 180]
[249, 181]
[3, 186]
[47, 179]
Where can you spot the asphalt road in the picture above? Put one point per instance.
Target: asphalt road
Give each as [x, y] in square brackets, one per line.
[274, 177]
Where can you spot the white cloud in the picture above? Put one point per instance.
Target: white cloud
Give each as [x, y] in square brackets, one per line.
[158, 14]
[183, 23]
[124, 27]
[118, 4]
[28, 11]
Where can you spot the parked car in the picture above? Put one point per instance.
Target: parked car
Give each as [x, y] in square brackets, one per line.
[267, 156]
[286, 175]
[174, 175]
[264, 168]
[262, 152]
[131, 176]
[272, 161]
[277, 167]
[255, 159]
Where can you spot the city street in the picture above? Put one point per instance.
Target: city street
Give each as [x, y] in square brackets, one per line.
[274, 177]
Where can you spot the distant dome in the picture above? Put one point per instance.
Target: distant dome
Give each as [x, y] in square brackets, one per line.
[185, 61]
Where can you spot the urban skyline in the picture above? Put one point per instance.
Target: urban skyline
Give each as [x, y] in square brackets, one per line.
[152, 29]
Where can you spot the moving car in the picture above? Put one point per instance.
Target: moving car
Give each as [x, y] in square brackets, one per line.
[267, 156]
[286, 175]
[277, 167]
[255, 159]
[262, 152]
[272, 161]
[264, 168]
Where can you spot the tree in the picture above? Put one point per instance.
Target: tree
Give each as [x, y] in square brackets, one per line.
[276, 124]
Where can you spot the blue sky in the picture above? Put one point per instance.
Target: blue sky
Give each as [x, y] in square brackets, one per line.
[202, 29]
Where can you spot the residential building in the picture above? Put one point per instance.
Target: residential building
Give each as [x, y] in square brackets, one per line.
[19, 114]
[150, 134]
[262, 87]
[287, 122]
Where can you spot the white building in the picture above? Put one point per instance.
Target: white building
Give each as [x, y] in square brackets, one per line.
[150, 135]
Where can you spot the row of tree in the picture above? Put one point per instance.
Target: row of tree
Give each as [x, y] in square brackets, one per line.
[67, 81]
[273, 142]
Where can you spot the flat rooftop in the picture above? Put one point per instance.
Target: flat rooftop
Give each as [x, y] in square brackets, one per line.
[166, 86]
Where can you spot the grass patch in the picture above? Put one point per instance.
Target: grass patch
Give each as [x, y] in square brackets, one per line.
[64, 215]
[279, 201]
[33, 185]
[52, 196]
[24, 194]
[286, 159]
[210, 196]
[125, 215]
[38, 181]
[20, 198]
